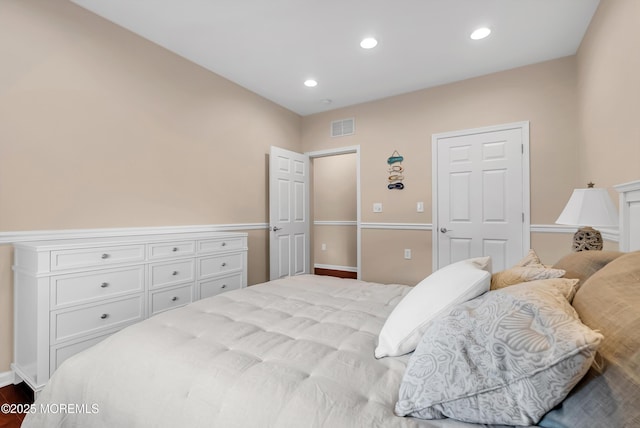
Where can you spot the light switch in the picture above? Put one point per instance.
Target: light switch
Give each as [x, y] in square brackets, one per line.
[420, 207]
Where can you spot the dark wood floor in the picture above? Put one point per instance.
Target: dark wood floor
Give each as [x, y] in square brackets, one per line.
[14, 394]
[338, 273]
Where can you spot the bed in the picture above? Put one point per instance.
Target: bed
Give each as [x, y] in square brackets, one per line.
[306, 351]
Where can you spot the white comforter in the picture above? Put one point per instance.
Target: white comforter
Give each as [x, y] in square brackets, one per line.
[296, 352]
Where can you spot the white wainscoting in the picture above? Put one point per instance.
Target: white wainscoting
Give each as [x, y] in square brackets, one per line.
[608, 234]
[41, 235]
[38, 235]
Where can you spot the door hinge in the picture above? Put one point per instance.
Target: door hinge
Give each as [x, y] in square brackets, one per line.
[523, 217]
[522, 148]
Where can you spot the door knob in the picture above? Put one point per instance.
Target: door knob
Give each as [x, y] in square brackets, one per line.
[445, 230]
[276, 228]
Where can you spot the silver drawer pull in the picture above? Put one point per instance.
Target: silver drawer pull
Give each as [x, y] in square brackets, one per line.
[174, 273]
[104, 316]
[224, 264]
[223, 244]
[104, 285]
[104, 256]
[174, 249]
[224, 286]
[174, 298]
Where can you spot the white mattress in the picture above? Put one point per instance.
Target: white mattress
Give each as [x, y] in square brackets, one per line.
[296, 352]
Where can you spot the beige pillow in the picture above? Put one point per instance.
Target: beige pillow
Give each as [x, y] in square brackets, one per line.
[530, 259]
[529, 268]
[583, 264]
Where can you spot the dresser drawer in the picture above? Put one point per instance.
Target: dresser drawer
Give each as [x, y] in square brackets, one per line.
[92, 319]
[172, 298]
[217, 245]
[96, 285]
[91, 257]
[61, 353]
[171, 249]
[166, 274]
[211, 287]
[220, 264]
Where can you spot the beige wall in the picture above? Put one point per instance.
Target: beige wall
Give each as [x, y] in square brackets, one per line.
[609, 86]
[544, 94]
[100, 128]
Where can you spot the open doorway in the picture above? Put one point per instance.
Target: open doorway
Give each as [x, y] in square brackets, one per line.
[336, 212]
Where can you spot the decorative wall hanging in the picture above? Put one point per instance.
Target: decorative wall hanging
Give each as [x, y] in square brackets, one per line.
[395, 171]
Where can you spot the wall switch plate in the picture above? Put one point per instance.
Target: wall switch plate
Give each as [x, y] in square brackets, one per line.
[323, 247]
[377, 207]
[420, 207]
[407, 253]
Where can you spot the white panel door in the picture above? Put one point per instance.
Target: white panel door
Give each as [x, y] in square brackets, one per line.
[288, 213]
[481, 196]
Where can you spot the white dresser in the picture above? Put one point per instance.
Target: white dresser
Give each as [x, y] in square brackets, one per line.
[72, 293]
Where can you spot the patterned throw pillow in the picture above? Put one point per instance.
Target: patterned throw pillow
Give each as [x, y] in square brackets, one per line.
[506, 357]
[529, 268]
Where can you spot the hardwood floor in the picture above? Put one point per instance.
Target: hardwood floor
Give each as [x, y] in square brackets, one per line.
[14, 394]
[337, 273]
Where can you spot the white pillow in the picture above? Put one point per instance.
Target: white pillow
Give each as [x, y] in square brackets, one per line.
[446, 287]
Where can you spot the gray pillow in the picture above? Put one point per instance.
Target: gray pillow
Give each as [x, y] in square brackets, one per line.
[506, 357]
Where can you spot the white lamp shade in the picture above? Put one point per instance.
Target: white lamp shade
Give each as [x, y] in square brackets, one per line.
[589, 207]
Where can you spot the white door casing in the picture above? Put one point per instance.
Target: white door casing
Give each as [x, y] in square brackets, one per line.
[481, 195]
[289, 246]
[337, 152]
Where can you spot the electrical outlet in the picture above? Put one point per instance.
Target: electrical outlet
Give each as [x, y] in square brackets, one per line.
[407, 253]
[377, 207]
[420, 207]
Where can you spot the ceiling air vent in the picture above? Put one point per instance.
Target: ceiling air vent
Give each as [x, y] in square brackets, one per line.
[340, 128]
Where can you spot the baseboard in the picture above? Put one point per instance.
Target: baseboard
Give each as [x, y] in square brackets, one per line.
[7, 378]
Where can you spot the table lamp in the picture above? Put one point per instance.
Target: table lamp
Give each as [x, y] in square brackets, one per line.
[587, 208]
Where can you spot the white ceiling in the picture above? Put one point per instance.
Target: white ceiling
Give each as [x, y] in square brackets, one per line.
[272, 46]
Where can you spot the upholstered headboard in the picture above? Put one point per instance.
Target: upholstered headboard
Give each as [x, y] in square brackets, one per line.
[629, 215]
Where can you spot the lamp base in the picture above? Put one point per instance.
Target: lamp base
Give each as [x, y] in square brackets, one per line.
[587, 239]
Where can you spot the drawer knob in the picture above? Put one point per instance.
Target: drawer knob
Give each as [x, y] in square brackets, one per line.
[174, 249]
[223, 244]
[224, 264]
[104, 256]
[174, 298]
[174, 273]
[104, 316]
[224, 286]
[104, 285]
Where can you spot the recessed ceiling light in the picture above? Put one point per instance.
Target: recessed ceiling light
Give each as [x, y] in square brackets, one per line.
[480, 33]
[310, 83]
[368, 43]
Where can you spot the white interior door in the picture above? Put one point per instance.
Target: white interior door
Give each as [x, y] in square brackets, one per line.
[289, 247]
[481, 195]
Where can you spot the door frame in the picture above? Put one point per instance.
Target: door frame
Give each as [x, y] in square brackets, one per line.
[526, 181]
[343, 151]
